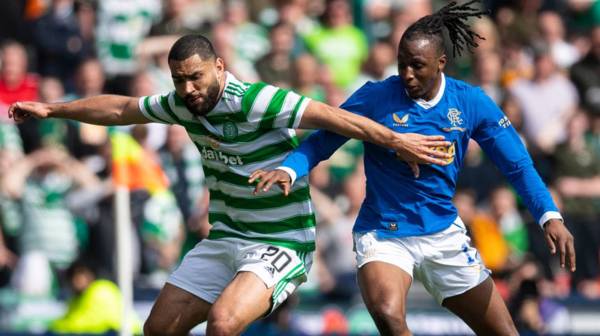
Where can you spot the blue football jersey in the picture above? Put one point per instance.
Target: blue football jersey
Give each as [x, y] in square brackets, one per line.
[397, 203]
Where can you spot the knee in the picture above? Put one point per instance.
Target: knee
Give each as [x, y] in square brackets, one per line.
[156, 327]
[510, 329]
[222, 322]
[389, 314]
[150, 328]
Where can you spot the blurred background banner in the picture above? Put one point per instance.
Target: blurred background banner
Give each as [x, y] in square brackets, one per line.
[133, 168]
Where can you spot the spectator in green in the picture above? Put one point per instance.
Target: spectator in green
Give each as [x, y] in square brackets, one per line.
[11, 150]
[182, 164]
[507, 217]
[39, 184]
[338, 44]
[122, 25]
[250, 40]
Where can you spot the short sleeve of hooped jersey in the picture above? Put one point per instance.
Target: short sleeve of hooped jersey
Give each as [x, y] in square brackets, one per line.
[273, 107]
[160, 108]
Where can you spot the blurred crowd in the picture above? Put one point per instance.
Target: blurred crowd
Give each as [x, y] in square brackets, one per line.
[540, 61]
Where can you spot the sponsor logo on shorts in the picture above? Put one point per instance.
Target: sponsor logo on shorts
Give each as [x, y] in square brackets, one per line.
[465, 250]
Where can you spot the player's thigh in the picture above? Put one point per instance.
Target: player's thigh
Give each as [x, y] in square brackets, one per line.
[244, 300]
[186, 299]
[176, 312]
[455, 275]
[483, 309]
[451, 266]
[266, 276]
[384, 287]
[384, 270]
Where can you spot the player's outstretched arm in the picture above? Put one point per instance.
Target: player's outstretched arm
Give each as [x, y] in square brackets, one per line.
[100, 110]
[409, 146]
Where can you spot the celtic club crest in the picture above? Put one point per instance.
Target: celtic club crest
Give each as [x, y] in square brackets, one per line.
[230, 130]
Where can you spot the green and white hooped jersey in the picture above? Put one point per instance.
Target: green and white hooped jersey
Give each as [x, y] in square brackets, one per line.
[252, 127]
[122, 25]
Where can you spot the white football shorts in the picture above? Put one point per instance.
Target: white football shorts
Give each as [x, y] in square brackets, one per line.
[210, 266]
[445, 262]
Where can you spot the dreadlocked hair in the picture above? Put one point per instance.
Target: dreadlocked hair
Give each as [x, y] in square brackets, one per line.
[454, 18]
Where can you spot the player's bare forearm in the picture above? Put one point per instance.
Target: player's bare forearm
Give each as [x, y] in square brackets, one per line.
[100, 110]
[319, 115]
[410, 146]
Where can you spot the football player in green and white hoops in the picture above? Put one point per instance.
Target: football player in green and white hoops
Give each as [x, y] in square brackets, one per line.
[259, 250]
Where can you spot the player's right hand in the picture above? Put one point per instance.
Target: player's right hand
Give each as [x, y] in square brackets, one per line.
[418, 149]
[21, 111]
[267, 179]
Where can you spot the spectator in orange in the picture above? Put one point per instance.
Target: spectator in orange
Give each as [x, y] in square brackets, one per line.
[486, 235]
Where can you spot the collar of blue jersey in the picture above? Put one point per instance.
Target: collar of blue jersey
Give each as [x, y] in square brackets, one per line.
[427, 104]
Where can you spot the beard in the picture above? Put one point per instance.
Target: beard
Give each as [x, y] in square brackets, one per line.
[208, 103]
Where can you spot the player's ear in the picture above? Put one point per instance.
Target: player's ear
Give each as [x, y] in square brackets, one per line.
[220, 66]
[442, 62]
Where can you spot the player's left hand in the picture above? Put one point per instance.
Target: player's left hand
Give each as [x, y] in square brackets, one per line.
[558, 237]
[267, 179]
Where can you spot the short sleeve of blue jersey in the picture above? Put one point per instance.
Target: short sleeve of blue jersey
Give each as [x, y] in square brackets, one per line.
[500, 141]
[322, 144]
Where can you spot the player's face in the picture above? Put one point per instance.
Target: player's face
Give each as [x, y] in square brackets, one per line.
[198, 82]
[420, 64]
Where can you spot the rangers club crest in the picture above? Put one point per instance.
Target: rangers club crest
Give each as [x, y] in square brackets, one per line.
[455, 120]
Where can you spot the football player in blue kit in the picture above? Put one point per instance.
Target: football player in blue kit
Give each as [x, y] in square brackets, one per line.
[407, 225]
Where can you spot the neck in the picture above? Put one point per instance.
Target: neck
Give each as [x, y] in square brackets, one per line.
[222, 82]
[434, 90]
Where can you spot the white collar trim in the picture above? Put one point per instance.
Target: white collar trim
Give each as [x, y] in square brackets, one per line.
[229, 77]
[431, 103]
